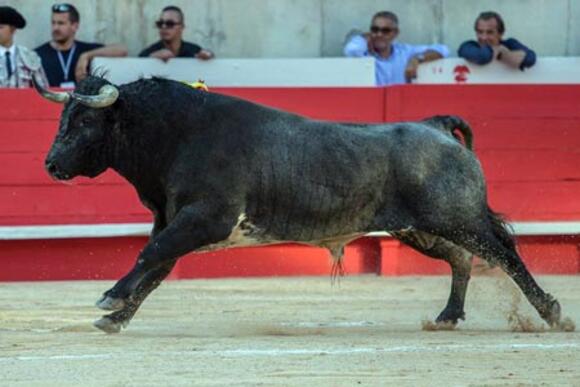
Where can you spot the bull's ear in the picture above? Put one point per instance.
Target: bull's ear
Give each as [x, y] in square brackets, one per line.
[107, 96]
[58, 97]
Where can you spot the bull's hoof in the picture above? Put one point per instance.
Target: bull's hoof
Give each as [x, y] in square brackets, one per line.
[110, 303]
[553, 313]
[107, 325]
[429, 325]
[450, 317]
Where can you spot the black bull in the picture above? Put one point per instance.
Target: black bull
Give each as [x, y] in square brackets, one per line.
[218, 171]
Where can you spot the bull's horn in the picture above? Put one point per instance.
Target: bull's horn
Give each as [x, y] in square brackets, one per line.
[107, 96]
[59, 97]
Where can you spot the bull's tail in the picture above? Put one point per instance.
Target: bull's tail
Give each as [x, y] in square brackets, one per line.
[501, 229]
[451, 123]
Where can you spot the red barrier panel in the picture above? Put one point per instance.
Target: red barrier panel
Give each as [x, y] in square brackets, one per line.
[111, 258]
[526, 137]
[541, 254]
[29, 196]
[362, 104]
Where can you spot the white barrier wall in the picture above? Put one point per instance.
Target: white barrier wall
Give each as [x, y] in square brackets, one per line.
[555, 70]
[329, 72]
[314, 72]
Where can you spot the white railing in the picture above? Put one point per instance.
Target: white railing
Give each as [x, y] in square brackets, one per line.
[547, 70]
[114, 230]
[313, 72]
[332, 72]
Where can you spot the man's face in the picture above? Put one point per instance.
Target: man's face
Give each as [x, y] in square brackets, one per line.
[62, 28]
[487, 33]
[170, 26]
[6, 34]
[383, 31]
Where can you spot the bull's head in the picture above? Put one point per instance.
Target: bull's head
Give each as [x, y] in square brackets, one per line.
[81, 144]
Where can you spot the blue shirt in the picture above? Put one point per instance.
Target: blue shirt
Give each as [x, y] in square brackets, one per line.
[391, 70]
[473, 52]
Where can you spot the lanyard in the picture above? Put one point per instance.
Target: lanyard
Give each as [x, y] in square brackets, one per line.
[66, 66]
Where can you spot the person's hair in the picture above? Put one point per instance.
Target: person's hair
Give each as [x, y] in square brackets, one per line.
[387, 15]
[73, 13]
[175, 9]
[488, 15]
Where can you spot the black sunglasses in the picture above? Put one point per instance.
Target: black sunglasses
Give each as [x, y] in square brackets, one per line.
[166, 23]
[384, 30]
[59, 8]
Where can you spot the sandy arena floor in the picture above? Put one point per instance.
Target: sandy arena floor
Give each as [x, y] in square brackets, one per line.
[287, 331]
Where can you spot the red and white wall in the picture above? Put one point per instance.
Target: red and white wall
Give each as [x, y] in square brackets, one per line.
[527, 138]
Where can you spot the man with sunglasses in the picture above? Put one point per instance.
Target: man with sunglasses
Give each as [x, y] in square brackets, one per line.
[489, 29]
[395, 63]
[66, 60]
[17, 63]
[171, 44]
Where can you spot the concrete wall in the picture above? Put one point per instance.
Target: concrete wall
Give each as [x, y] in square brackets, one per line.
[309, 28]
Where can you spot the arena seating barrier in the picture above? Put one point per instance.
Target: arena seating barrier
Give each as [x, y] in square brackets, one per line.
[526, 137]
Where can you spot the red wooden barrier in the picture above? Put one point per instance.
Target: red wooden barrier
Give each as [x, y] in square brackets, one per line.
[526, 137]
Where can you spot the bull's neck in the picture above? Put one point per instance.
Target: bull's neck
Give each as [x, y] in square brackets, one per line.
[141, 157]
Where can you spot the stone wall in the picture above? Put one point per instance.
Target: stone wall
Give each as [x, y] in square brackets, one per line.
[309, 28]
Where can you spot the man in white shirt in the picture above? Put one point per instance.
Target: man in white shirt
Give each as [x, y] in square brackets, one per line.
[17, 63]
[395, 63]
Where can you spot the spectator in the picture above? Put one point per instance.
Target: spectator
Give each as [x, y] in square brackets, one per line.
[395, 63]
[65, 59]
[17, 63]
[489, 29]
[171, 45]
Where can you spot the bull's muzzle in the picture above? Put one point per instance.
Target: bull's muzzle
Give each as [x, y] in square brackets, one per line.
[55, 171]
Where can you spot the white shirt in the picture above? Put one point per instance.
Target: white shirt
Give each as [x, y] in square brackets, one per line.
[12, 51]
[391, 70]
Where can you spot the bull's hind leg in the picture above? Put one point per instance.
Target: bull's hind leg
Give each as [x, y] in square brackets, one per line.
[491, 241]
[458, 258]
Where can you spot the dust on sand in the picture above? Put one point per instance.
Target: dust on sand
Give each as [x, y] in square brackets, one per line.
[283, 331]
[517, 316]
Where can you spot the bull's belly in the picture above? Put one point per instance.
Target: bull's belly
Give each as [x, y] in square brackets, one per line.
[246, 234]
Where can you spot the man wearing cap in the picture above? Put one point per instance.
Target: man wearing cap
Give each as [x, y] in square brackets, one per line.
[66, 60]
[17, 63]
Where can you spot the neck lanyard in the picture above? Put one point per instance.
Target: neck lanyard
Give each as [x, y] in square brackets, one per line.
[66, 66]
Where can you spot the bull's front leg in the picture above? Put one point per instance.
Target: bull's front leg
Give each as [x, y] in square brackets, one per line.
[109, 303]
[194, 226]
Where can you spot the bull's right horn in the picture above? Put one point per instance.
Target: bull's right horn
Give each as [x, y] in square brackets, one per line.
[107, 96]
[59, 97]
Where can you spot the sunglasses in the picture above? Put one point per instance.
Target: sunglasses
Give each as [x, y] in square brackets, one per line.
[166, 23]
[384, 30]
[59, 8]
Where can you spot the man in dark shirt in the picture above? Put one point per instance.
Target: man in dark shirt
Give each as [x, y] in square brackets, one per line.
[489, 28]
[64, 59]
[171, 45]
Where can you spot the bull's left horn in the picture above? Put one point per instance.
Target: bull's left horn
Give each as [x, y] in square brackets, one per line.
[107, 96]
[58, 97]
